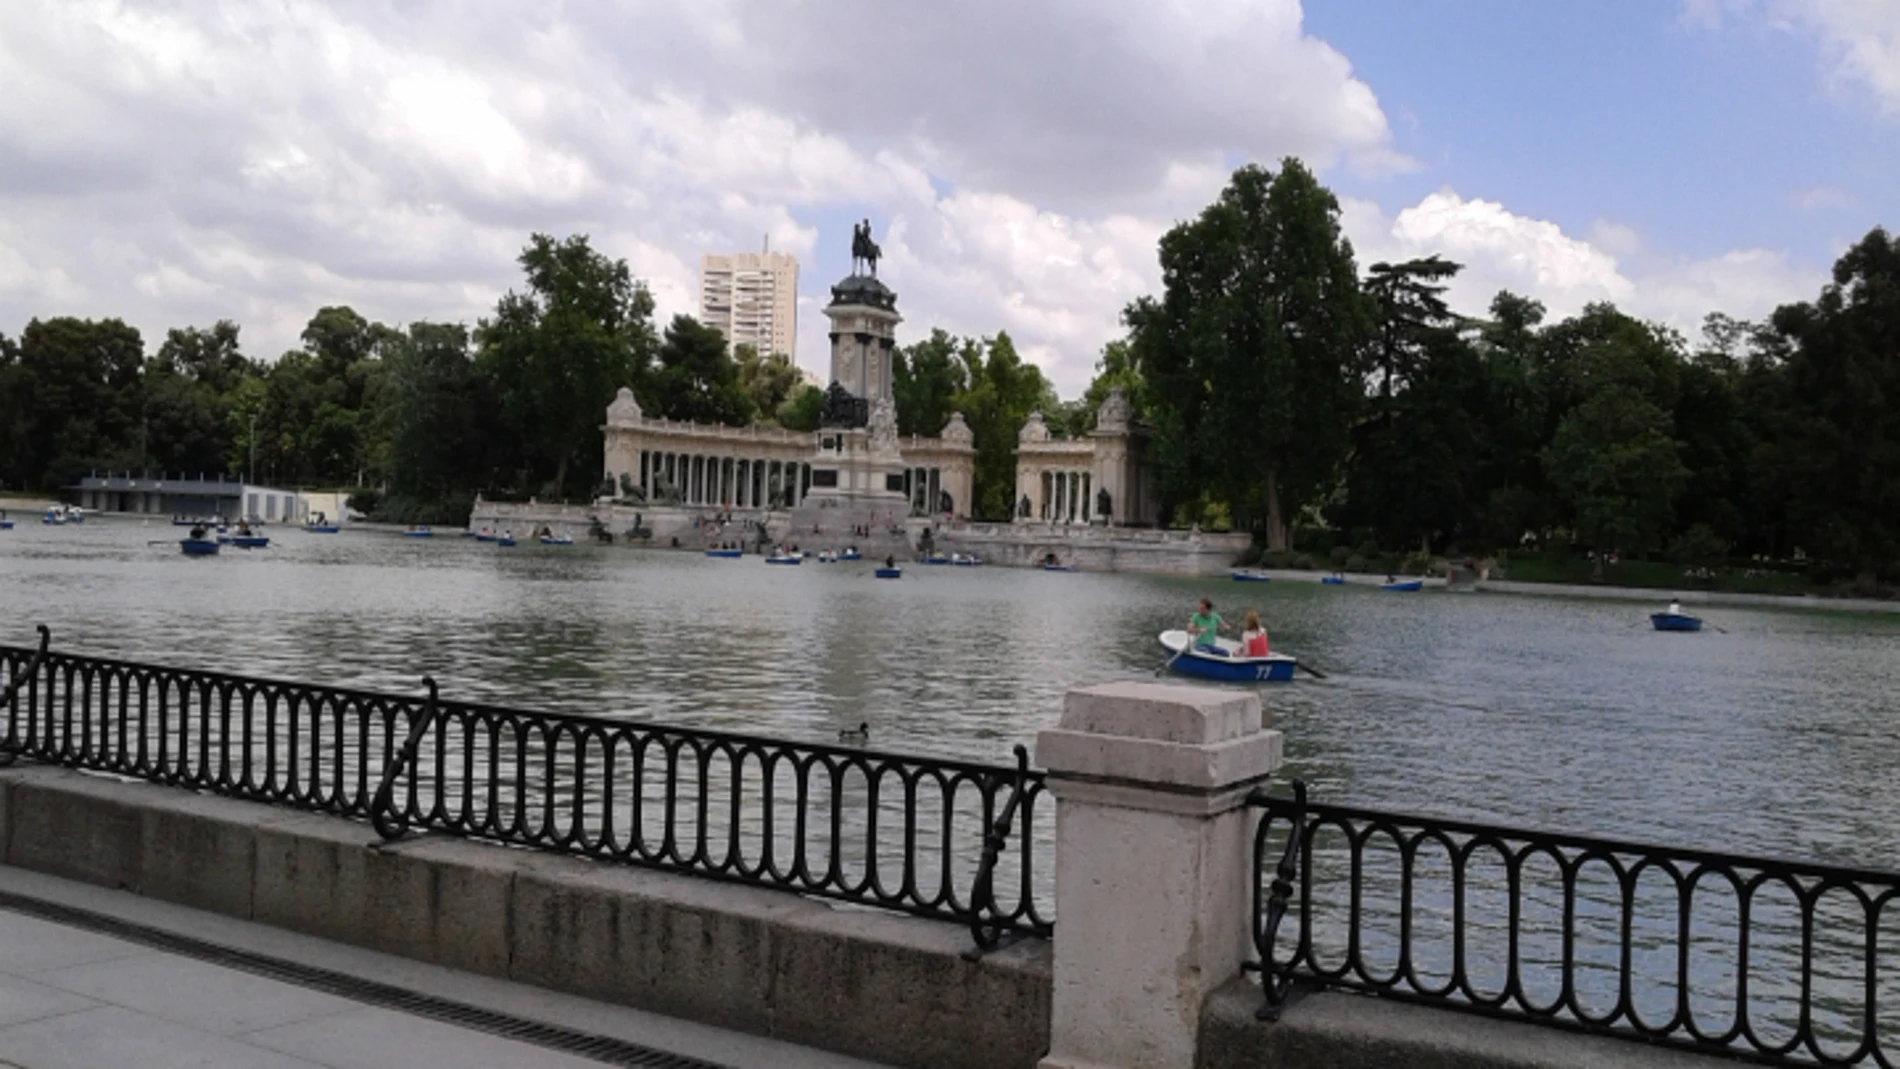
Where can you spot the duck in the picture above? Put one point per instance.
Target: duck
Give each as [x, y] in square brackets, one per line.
[857, 737]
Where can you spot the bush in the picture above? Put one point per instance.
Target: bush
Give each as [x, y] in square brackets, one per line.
[1304, 562]
[1276, 558]
[1356, 563]
[364, 501]
[1340, 555]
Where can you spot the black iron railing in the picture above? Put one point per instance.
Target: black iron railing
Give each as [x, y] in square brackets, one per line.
[1770, 961]
[888, 830]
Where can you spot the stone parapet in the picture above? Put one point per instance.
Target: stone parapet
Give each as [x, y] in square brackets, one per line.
[1096, 548]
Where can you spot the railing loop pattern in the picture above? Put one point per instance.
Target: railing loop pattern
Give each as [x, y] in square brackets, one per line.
[391, 823]
[1277, 982]
[1766, 960]
[984, 914]
[19, 678]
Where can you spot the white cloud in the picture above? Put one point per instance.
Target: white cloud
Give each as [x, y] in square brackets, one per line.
[1824, 198]
[1534, 257]
[174, 164]
[1859, 39]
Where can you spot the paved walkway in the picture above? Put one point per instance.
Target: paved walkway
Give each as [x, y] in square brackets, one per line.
[74, 998]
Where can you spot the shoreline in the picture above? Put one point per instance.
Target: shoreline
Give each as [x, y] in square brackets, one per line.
[1617, 593]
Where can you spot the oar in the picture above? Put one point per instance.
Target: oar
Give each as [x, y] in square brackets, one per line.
[1718, 627]
[1309, 669]
[1171, 660]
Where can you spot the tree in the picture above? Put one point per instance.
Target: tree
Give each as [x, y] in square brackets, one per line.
[1839, 443]
[1252, 352]
[926, 378]
[74, 400]
[431, 408]
[1414, 470]
[1615, 463]
[802, 411]
[1003, 391]
[558, 352]
[768, 380]
[696, 381]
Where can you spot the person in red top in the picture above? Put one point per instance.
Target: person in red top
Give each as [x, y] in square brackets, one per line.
[1253, 637]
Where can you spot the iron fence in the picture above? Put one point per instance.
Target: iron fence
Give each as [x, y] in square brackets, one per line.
[1767, 960]
[918, 835]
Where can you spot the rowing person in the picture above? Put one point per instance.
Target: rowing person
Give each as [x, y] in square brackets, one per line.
[1203, 626]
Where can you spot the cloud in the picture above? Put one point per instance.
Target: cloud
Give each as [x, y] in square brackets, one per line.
[1823, 198]
[1859, 39]
[1534, 257]
[175, 164]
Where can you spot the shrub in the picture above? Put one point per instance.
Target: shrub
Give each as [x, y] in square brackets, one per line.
[1356, 563]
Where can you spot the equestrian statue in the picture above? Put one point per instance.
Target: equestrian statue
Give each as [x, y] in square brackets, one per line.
[864, 251]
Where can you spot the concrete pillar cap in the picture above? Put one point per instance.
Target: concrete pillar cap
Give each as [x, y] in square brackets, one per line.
[1160, 736]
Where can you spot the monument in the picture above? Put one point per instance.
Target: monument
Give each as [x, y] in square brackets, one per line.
[858, 461]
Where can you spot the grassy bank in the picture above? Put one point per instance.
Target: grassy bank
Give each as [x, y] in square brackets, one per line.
[1658, 575]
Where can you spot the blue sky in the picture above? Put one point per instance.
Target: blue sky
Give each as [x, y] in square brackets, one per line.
[1701, 137]
[175, 164]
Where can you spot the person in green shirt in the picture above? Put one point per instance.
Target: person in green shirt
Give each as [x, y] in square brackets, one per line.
[1203, 626]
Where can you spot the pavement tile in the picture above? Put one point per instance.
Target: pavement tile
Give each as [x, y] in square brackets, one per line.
[377, 1039]
[24, 1000]
[112, 1036]
[29, 945]
[195, 993]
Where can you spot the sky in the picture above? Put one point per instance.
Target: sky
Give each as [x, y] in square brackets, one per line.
[177, 162]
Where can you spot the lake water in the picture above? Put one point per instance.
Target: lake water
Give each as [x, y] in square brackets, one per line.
[1777, 737]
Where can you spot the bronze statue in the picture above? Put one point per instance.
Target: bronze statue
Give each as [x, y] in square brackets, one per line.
[863, 249]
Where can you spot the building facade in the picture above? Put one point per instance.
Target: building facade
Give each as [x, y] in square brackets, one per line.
[752, 297]
[1099, 479]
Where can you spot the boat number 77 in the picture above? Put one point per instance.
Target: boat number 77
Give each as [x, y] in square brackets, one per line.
[1263, 672]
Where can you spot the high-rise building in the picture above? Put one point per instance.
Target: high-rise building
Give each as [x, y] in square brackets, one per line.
[752, 297]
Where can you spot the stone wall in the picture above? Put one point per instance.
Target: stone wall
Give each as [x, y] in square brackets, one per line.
[870, 984]
[1096, 549]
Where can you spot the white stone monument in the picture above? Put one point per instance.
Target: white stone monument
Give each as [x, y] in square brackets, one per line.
[858, 462]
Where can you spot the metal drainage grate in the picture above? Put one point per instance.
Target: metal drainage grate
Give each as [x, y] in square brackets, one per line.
[599, 1048]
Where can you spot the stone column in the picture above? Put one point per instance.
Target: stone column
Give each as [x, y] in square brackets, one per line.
[1154, 865]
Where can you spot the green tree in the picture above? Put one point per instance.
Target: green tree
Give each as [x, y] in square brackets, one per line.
[768, 379]
[1414, 472]
[926, 378]
[696, 380]
[802, 410]
[1838, 452]
[1002, 392]
[431, 408]
[1615, 462]
[74, 393]
[1251, 354]
[557, 352]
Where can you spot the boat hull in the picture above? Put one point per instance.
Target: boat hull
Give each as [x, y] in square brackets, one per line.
[322, 529]
[1404, 585]
[6, 525]
[784, 560]
[250, 541]
[1332, 580]
[890, 573]
[1201, 664]
[1249, 575]
[1675, 621]
[726, 554]
[1058, 567]
[418, 534]
[198, 547]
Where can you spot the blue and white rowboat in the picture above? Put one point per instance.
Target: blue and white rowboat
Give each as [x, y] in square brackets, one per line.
[731, 554]
[890, 573]
[1675, 621]
[1250, 575]
[198, 547]
[789, 558]
[1225, 666]
[1404, 584]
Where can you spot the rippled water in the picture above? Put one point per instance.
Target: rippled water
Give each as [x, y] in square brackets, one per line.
[1778, 737]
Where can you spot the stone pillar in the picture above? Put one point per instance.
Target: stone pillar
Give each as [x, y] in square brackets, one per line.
[1154, 865]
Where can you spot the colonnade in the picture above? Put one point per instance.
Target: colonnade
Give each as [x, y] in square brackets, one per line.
[925, 486]
[1065, 496]
[725, 481]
